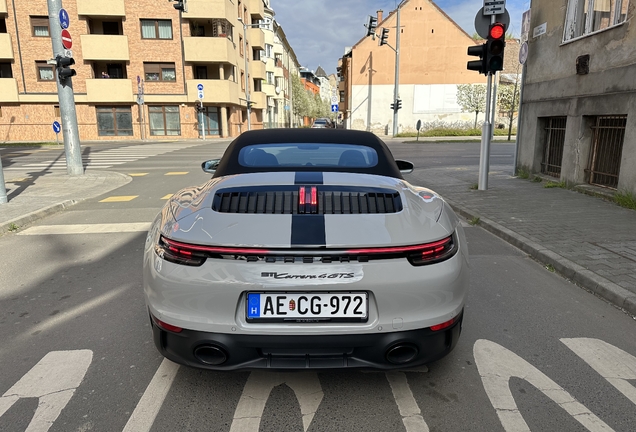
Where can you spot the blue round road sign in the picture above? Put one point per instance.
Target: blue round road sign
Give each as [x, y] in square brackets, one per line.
[56, 127]
[200, 87]
[64, 20]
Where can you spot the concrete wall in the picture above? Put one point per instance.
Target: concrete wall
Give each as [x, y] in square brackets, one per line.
[553, 88]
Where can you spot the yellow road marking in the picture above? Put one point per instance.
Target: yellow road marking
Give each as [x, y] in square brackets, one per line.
[120, 198]
[137, 174]
[177, 173]
[167, 196]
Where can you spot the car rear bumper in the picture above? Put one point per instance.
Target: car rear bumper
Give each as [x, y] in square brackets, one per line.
[391, 350]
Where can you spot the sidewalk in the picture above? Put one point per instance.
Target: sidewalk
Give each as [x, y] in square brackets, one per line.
[588, 240]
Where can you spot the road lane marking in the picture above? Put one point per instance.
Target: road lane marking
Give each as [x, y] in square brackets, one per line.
[409, 410]
[150, 403]
[167, 197]
[497, 365]
[613, 364]
[122, 198]
[53, 381]
[176, 173]
[259, 385]
[138, 174]
[87, 228]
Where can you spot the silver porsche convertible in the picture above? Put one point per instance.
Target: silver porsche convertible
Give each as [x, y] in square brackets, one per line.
[306, 249]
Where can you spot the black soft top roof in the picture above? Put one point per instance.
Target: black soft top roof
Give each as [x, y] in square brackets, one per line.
[386, 165]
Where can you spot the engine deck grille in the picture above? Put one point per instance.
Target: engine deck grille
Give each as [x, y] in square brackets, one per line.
[330, 200]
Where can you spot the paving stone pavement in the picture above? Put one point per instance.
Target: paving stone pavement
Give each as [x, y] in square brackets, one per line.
[587, 239]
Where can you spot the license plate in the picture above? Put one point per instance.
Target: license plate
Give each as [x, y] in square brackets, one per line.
[307, 307]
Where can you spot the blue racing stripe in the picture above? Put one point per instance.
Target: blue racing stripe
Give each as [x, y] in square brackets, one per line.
[308, 177]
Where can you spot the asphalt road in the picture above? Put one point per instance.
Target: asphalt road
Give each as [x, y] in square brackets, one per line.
[536, 353]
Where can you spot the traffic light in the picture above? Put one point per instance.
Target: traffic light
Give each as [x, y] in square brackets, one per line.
[384, 37]
[478, 65]
[495, 47]
[396, 105]
[63, 65]
[199, 107]
[372, 23]
[180, 5]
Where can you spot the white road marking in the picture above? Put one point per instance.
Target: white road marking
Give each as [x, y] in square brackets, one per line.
[613, 364]
[409, 410]
[148, 407]
[53, 380]
[497, 365]
[87, 228]
[248, 414]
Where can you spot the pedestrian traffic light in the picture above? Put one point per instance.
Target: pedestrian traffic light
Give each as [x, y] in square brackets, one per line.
[384, 37]
[63, 65]
[478, 65]
[180, 5]
[495, 47]
[396, 105]
[372, 23]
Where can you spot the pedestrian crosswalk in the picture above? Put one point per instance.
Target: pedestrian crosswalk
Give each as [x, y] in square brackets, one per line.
[102, 159]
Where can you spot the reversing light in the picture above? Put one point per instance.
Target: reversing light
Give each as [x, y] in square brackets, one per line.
[444, 325]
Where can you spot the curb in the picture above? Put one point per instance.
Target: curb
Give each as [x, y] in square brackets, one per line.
[36, 215]
[583, 277]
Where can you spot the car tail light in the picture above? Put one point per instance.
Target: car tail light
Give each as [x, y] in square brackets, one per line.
[179, 253]
[444, 325]
[427, 253]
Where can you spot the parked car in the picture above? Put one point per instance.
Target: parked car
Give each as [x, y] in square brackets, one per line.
[322, 123]
[306, 249]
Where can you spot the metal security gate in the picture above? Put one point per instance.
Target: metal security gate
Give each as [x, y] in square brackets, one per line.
[608, 133]
[553, 149]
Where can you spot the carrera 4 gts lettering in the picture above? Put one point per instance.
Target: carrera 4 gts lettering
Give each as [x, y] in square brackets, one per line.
[277, 275]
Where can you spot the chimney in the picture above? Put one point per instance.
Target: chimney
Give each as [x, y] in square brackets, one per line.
[379, 16]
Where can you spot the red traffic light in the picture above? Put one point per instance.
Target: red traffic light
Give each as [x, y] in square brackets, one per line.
[497, 31]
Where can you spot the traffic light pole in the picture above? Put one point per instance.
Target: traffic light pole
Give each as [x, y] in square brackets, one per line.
[202, 121]
[486, 134]
[396, 89]
[3, 189]
[66, 97]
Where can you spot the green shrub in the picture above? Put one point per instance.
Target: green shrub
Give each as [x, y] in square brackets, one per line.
[625, 199]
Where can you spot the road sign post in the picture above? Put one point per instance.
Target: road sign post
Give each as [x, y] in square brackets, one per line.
[3, 190]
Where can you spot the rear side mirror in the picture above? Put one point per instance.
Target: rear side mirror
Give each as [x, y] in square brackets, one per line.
[210, 166]
[405, 167]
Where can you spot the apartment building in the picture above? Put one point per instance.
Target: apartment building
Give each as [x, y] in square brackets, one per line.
[578, 115]
[138, 67]
[433, 57]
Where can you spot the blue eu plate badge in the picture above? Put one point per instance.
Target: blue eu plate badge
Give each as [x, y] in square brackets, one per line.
[253, 305]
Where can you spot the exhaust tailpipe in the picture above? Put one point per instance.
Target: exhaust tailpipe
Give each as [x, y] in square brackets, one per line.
[402, 353]
[210, 354]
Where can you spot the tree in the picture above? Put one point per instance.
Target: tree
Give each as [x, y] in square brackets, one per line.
[472, 98]
[509, 102]
[302, 103]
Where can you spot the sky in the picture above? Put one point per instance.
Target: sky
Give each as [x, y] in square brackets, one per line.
[319, 30]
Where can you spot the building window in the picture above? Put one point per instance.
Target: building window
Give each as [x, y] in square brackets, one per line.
[114, 121]
[115, 70]
[156, 29]
[44, 71]
[608, 134]
[241, 45]
[210, 121]
[160, 72]
[40, 26]
[110, 28]
[258, 85]
[342, 96]
[56, 111]
[5, 70]
[164, 120]
[201, 72]
[268, 50]
[3, 25]
[242, 80]
[270, 77]
[589, 16]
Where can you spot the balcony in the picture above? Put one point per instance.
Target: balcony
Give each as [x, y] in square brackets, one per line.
[214, 91]
[257, 69]
[8, 90]
[259, 99]
[101, 8]
[6, 47]
[255, 8]
[269, 89]
[109, 90]
[105, 47]
[209, 50]
[3, 7]
[256, 36]
[207, 9]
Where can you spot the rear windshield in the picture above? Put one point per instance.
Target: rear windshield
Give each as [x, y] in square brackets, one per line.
[308, 155]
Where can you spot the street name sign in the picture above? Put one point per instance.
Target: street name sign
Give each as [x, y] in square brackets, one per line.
[494, 7]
